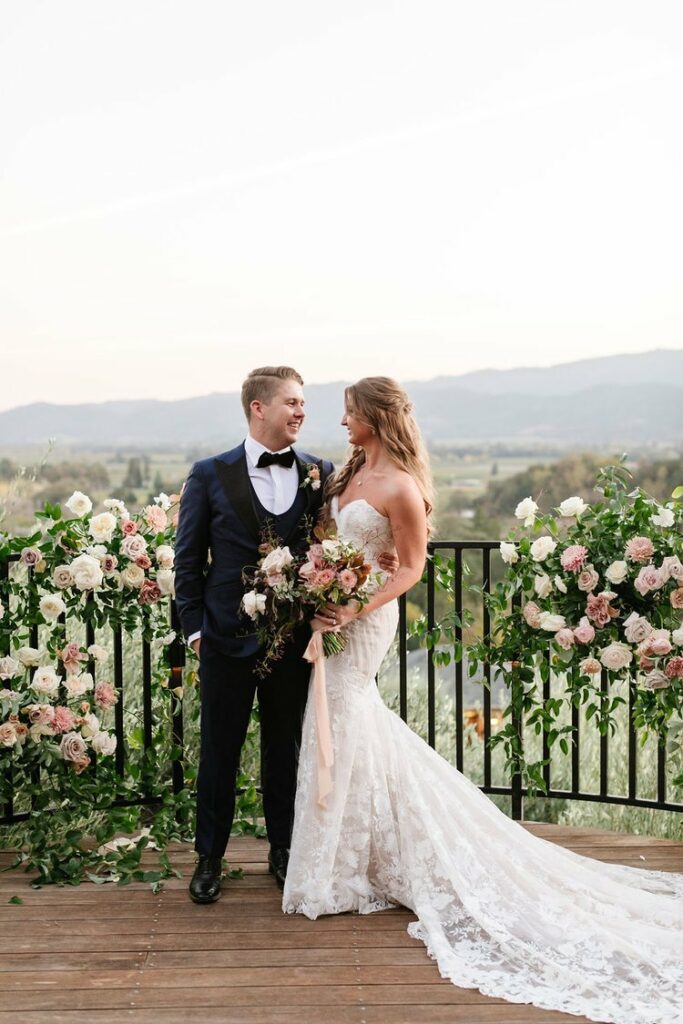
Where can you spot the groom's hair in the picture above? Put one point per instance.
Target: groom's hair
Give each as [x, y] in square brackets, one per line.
[261, 384]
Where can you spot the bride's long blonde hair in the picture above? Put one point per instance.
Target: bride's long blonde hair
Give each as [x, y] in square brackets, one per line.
[384, 405]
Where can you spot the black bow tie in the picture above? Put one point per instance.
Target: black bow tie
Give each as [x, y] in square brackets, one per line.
[276, 459]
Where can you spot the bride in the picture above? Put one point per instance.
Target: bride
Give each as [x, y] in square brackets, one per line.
[498, 909]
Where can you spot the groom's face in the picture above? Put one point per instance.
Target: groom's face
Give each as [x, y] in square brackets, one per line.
[281, 418]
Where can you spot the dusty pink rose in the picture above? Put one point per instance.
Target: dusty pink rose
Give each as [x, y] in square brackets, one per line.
[640, 549]
[144, 561]
[129, 527]
[590, 667]
[8, 734]
[41, 714]
[573, 557]
[307, 570]
[636, 628]
[648, 579]
[149, 592]
[63, 719]
[72, 655]
[30, 556]
[672, 568]
[565, 638]
[532, 614]
[587, 579]
[108, 563]
[133, 546]
[584, 632]
[676, 597]
[347, 580]
[106, 696]
[72, 746]
[80, 764]
[156, 518]
[599, 610]
[322, 578]
[645, 663]
[674, 668]
[22, 731]
[657, 680]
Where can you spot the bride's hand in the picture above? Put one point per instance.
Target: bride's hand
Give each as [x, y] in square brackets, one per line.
[388, 562]
[335, 616]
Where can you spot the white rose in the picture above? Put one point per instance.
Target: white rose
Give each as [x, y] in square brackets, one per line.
[560, 584]
[117, 505]
[508, 552]
[61, 577]
[542, 585]
[45, 681]
[86, 572]
[616, 572]
[616, 656]
[527, 510]
[98, 653]
[132, 576]
[103, 743]
[331, 548]
[677, 636]
[79, 503]
[102, 527]
[9, 668]
[163, 500]
[276, 561]
[90, 725]
[542, 547]
[552, 622]
[76, 686]
[573, 506]
[254, 603]
[29, 656]
[664, 517]
[166, 582]
[51, 607]
[165, 556]
[40, 729]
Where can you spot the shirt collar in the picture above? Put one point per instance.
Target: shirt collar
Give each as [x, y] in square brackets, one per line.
[254, 449]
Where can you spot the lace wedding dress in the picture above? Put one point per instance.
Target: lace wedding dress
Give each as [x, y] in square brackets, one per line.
[498, 909]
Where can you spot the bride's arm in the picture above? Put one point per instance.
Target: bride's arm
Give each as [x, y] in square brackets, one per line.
[406, 511]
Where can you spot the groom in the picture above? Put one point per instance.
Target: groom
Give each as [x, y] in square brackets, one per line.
[226, 502]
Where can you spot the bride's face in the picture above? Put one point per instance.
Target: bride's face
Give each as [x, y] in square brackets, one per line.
[359, 431]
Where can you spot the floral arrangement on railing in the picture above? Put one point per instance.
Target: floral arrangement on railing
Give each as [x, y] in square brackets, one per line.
[595, 593]
[57, 699]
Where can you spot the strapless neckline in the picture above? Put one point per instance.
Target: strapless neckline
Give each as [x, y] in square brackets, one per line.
[354, 501]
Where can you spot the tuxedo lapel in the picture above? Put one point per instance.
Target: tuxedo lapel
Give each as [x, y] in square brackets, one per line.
[234, 479]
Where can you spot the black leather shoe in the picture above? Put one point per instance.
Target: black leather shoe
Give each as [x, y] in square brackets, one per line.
[278, 859]
[205, 886]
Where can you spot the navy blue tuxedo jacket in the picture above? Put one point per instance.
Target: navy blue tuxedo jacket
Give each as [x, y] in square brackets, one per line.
[219, 531]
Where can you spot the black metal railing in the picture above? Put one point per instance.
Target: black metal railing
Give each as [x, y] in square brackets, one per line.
[468, 557]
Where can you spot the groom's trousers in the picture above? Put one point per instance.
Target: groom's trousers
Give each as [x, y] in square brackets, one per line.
[228, 686]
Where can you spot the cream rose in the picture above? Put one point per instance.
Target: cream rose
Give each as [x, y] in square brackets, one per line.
[542, 547]
[100, 654]
[29, 656]
[677, 636]
[45, 681]
[61, 577]
[79, 503]
[165, 556]
[527, 510]
[254, 603]
[133, 576]
[90, 725]
[87, 572]
[542, 585]
[552, 623]
[102, 527]
[166, 582]
[560, 584]
[276, 561]
[573, 506]
[51, 607]
[9, 668]
[616, 656]
[76, 686]
[508, 552]
[616, 572]
[103, 743]
[664, 517]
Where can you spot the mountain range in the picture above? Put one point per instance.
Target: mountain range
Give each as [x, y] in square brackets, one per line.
[615, 400]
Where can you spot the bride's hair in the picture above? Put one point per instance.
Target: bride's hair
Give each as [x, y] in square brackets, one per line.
[384, 405]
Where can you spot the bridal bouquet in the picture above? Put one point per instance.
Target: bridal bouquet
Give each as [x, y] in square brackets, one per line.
[288, 590]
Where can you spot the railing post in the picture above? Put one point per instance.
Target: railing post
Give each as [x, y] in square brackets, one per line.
[177, 663]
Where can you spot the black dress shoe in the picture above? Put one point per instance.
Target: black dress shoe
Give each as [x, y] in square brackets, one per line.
[205, 886]
[278, 859]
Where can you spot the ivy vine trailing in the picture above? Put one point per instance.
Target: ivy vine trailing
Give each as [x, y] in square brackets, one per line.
[78, 803]
[592, 596]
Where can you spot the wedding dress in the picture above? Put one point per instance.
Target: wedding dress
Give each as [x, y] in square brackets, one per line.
[499, 909]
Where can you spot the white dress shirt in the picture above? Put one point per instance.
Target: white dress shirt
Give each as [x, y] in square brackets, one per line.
[276, 486]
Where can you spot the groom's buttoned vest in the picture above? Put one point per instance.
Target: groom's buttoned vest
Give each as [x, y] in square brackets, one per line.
[220, 527]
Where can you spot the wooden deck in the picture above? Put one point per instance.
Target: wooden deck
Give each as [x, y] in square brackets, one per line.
[100, 954]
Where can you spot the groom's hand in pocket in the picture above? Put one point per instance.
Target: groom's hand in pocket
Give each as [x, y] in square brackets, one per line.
[196, 645]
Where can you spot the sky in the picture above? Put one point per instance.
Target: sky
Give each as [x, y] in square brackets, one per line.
[192, 189]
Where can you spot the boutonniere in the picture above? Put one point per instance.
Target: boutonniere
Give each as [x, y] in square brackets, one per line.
[312, 479]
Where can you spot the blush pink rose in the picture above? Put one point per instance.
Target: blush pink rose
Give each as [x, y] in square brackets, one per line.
[573, 557]
[656, 645]
[676, 597]
[322, 578]
[590, 667]
[648, 579]
[307, 570]
[636, 628]
[106, 696]
[640, 549]
[584, 632]
[128, 527]
[587, 579]
[674, 669]
[156, 518]
[598, 609]
[71, 655]
[347, 580]
[532, 614]
[565, 638]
